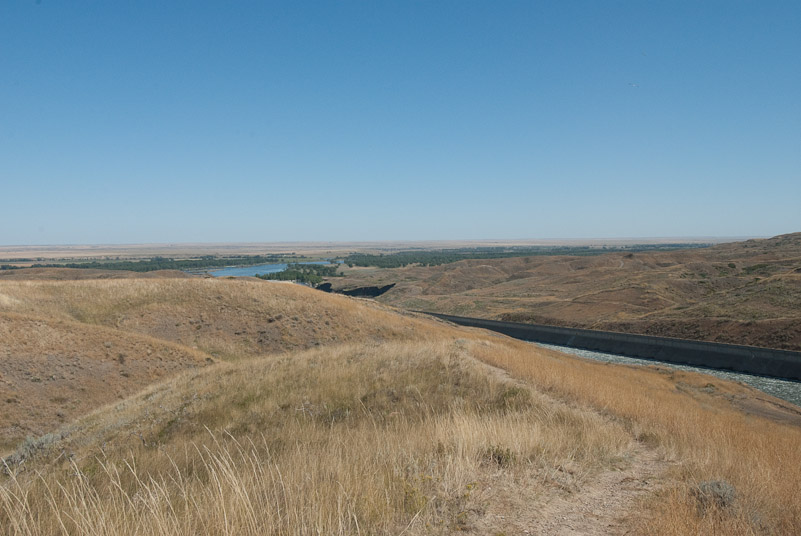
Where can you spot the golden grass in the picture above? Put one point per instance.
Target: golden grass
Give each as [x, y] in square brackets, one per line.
[228, 319]
[52, 371]
[742, 293]
[709, 440]
[373, 440]
[393, 424]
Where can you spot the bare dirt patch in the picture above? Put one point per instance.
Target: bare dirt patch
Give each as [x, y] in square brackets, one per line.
[606, 503]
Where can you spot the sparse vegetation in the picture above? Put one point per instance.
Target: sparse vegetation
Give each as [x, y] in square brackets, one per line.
[706, 438]
[339, 416]
[713, 293]
[447, 256]
[375, 439]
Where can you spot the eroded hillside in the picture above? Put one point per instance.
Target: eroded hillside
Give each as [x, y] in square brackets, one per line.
[52, 371]
[746, 292]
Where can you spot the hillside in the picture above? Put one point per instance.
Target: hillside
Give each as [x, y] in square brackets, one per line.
[225, 318]
[68, 347]
[326, 414]
[52, 371]
[743, 292]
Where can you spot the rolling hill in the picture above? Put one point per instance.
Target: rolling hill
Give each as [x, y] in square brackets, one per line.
[743, 292]
[55, 370]
[186, 406]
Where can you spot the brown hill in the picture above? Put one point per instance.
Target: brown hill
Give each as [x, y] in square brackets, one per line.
[389, 424]
[411, 437]
[52, 371]
[70, 346]
[224, 317]
[743, 292]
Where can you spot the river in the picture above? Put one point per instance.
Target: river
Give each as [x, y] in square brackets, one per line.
[785, 389]
[256, 269]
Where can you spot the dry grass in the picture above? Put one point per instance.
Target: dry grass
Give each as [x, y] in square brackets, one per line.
[709, 439]
[67, 347]
[391, 424]
[375, 440]
[52, 371]
[745, 292]
[228, 319]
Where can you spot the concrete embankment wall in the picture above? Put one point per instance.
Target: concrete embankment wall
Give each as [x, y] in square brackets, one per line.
[749, 359]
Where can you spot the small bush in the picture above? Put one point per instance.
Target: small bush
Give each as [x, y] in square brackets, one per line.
[714, 494]
[503, 457]
[29, 449]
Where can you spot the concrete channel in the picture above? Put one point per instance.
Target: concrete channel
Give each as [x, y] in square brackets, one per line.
[783, 364]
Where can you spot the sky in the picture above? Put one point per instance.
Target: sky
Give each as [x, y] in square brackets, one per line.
[261, 121]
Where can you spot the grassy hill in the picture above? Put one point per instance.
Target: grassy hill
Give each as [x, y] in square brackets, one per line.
[344, 416]
[52, 371]
[226, 318]
[744, 292]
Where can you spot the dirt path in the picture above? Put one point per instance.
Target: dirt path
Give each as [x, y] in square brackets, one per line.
[603, 505]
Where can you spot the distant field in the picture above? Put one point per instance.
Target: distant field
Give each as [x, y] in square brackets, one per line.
[178, 251]
[391, 257]
[159, 263]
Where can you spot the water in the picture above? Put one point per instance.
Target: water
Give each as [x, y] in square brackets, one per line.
[788, 390]
[256, 269]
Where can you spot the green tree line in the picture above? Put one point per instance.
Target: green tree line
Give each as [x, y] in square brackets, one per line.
[445, 256]
[164, 263]
[311, 274]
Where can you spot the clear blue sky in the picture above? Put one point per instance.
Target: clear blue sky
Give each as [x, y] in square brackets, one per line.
[201, 121]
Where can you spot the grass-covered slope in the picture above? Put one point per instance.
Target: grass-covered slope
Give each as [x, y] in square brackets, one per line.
[223, 317]
[391, 424]
[744, 292]
[67, 347]
[360, 439]
[52, 371]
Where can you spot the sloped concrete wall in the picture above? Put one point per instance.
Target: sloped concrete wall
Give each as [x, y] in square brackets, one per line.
[750, 359]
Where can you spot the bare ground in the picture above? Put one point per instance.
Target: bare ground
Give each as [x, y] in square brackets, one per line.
[562, 502]
[604, 505]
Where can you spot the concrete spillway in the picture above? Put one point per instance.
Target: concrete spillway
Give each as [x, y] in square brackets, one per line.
[749, 359]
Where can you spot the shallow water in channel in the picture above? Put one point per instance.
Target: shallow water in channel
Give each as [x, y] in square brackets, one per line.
[788, 390]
